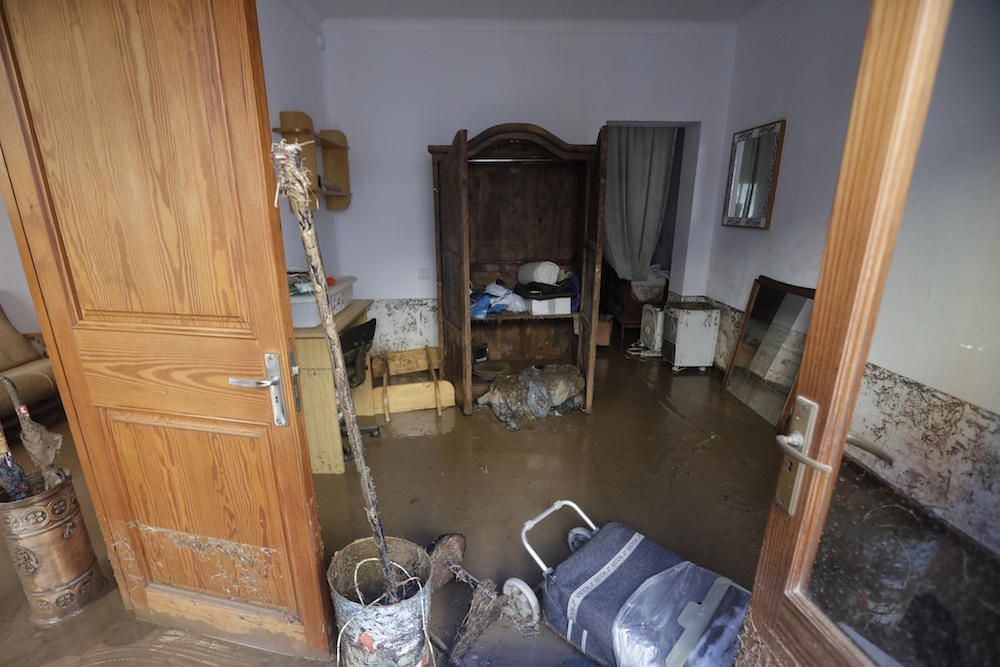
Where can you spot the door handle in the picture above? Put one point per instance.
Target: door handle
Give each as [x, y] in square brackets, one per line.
[247, 383]
[272, 366]
[870, 447]
[791, 446]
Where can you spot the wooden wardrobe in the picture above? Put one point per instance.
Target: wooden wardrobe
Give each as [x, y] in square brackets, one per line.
[513, 194]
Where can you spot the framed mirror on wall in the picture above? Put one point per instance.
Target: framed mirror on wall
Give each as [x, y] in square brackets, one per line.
[753, 176]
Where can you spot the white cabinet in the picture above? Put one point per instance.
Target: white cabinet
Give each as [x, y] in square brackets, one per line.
[651, 329]
[689, 334]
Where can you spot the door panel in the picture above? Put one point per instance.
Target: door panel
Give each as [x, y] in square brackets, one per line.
[140, 190]
[456, 334]
[593, 247]
[232, 551]
[898, 64]
[119, 244]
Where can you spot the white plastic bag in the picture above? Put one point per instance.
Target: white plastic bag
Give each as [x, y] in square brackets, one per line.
[504, 295]
[538, 272]
[664, 621]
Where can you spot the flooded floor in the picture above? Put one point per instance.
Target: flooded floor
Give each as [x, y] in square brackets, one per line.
[673, 456]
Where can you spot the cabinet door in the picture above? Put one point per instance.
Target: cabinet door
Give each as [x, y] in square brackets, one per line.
[453, 237]
[593, 247]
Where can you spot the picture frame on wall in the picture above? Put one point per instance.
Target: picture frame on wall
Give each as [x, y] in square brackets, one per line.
[753, 176]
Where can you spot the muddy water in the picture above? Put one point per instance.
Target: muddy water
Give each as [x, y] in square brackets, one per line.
[671, 455]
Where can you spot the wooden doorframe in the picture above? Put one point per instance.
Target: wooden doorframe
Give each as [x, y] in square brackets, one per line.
[902, 49]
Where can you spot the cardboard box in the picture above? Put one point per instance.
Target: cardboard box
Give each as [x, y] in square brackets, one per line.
[603, 334]
[559, 306]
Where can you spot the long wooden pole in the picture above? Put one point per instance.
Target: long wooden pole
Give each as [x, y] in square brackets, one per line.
[294, 183]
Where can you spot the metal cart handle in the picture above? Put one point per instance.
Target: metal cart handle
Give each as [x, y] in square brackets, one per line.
[531, 523]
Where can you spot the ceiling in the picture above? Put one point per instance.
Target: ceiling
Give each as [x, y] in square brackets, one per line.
[728, 11]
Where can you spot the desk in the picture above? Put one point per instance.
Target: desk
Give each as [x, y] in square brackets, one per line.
[319, 400]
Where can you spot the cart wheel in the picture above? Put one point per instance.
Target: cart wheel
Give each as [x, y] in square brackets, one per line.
[577, 537]
[522, 600]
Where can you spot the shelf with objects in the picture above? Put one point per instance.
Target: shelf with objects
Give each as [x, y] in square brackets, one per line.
[325, 157]
[513, 196]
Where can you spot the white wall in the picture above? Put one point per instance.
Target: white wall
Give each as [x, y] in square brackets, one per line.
[940, 318]
[14, 295]
[294, 80]
[291, 45]
[396, 86]
[930, 395]
[796, 60]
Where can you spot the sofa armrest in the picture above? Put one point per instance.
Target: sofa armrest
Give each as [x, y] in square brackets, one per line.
[37, 342]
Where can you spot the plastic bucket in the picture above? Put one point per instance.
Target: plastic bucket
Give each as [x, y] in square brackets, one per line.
[380, 634]
[48, 543]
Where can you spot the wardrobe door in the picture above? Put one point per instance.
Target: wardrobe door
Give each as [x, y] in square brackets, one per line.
[593, 246]
[453, 235]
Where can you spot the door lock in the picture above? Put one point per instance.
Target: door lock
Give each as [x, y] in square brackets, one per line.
[272, 367]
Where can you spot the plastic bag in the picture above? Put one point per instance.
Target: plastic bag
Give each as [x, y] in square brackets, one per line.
[535, 393]
[651, 288]
[652, 627]
[538, 398]
[538, 272]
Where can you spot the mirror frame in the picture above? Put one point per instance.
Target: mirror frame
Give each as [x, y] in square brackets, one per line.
[761, 222]
[764, 281]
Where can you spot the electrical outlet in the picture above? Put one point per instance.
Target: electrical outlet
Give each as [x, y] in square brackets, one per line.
[423, 273]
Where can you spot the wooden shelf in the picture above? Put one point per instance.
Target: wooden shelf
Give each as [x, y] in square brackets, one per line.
[324, 142]
[353, 311]
[501, 317]
[327, 191]
[328, 149]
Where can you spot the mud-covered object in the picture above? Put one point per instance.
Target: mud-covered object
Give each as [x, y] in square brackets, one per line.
[535, 393]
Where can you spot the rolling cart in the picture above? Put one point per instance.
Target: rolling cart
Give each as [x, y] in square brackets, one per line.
[624, 600]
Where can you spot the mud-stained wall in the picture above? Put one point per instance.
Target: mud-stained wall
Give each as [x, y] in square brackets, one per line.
[730, 320]
[404, 324]
[946, 450]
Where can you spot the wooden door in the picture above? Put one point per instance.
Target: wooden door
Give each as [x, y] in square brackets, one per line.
[898, 65]
[453, 272]
[593, 248]
[137, 177]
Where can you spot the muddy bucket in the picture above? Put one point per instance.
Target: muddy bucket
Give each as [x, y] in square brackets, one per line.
[375, 633]
[51, 551]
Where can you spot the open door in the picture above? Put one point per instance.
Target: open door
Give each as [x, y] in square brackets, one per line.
[453, 274]
[593, 248]
[137, 176]
[901, 52]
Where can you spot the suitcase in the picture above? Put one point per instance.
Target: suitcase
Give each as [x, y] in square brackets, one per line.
[624, 600]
